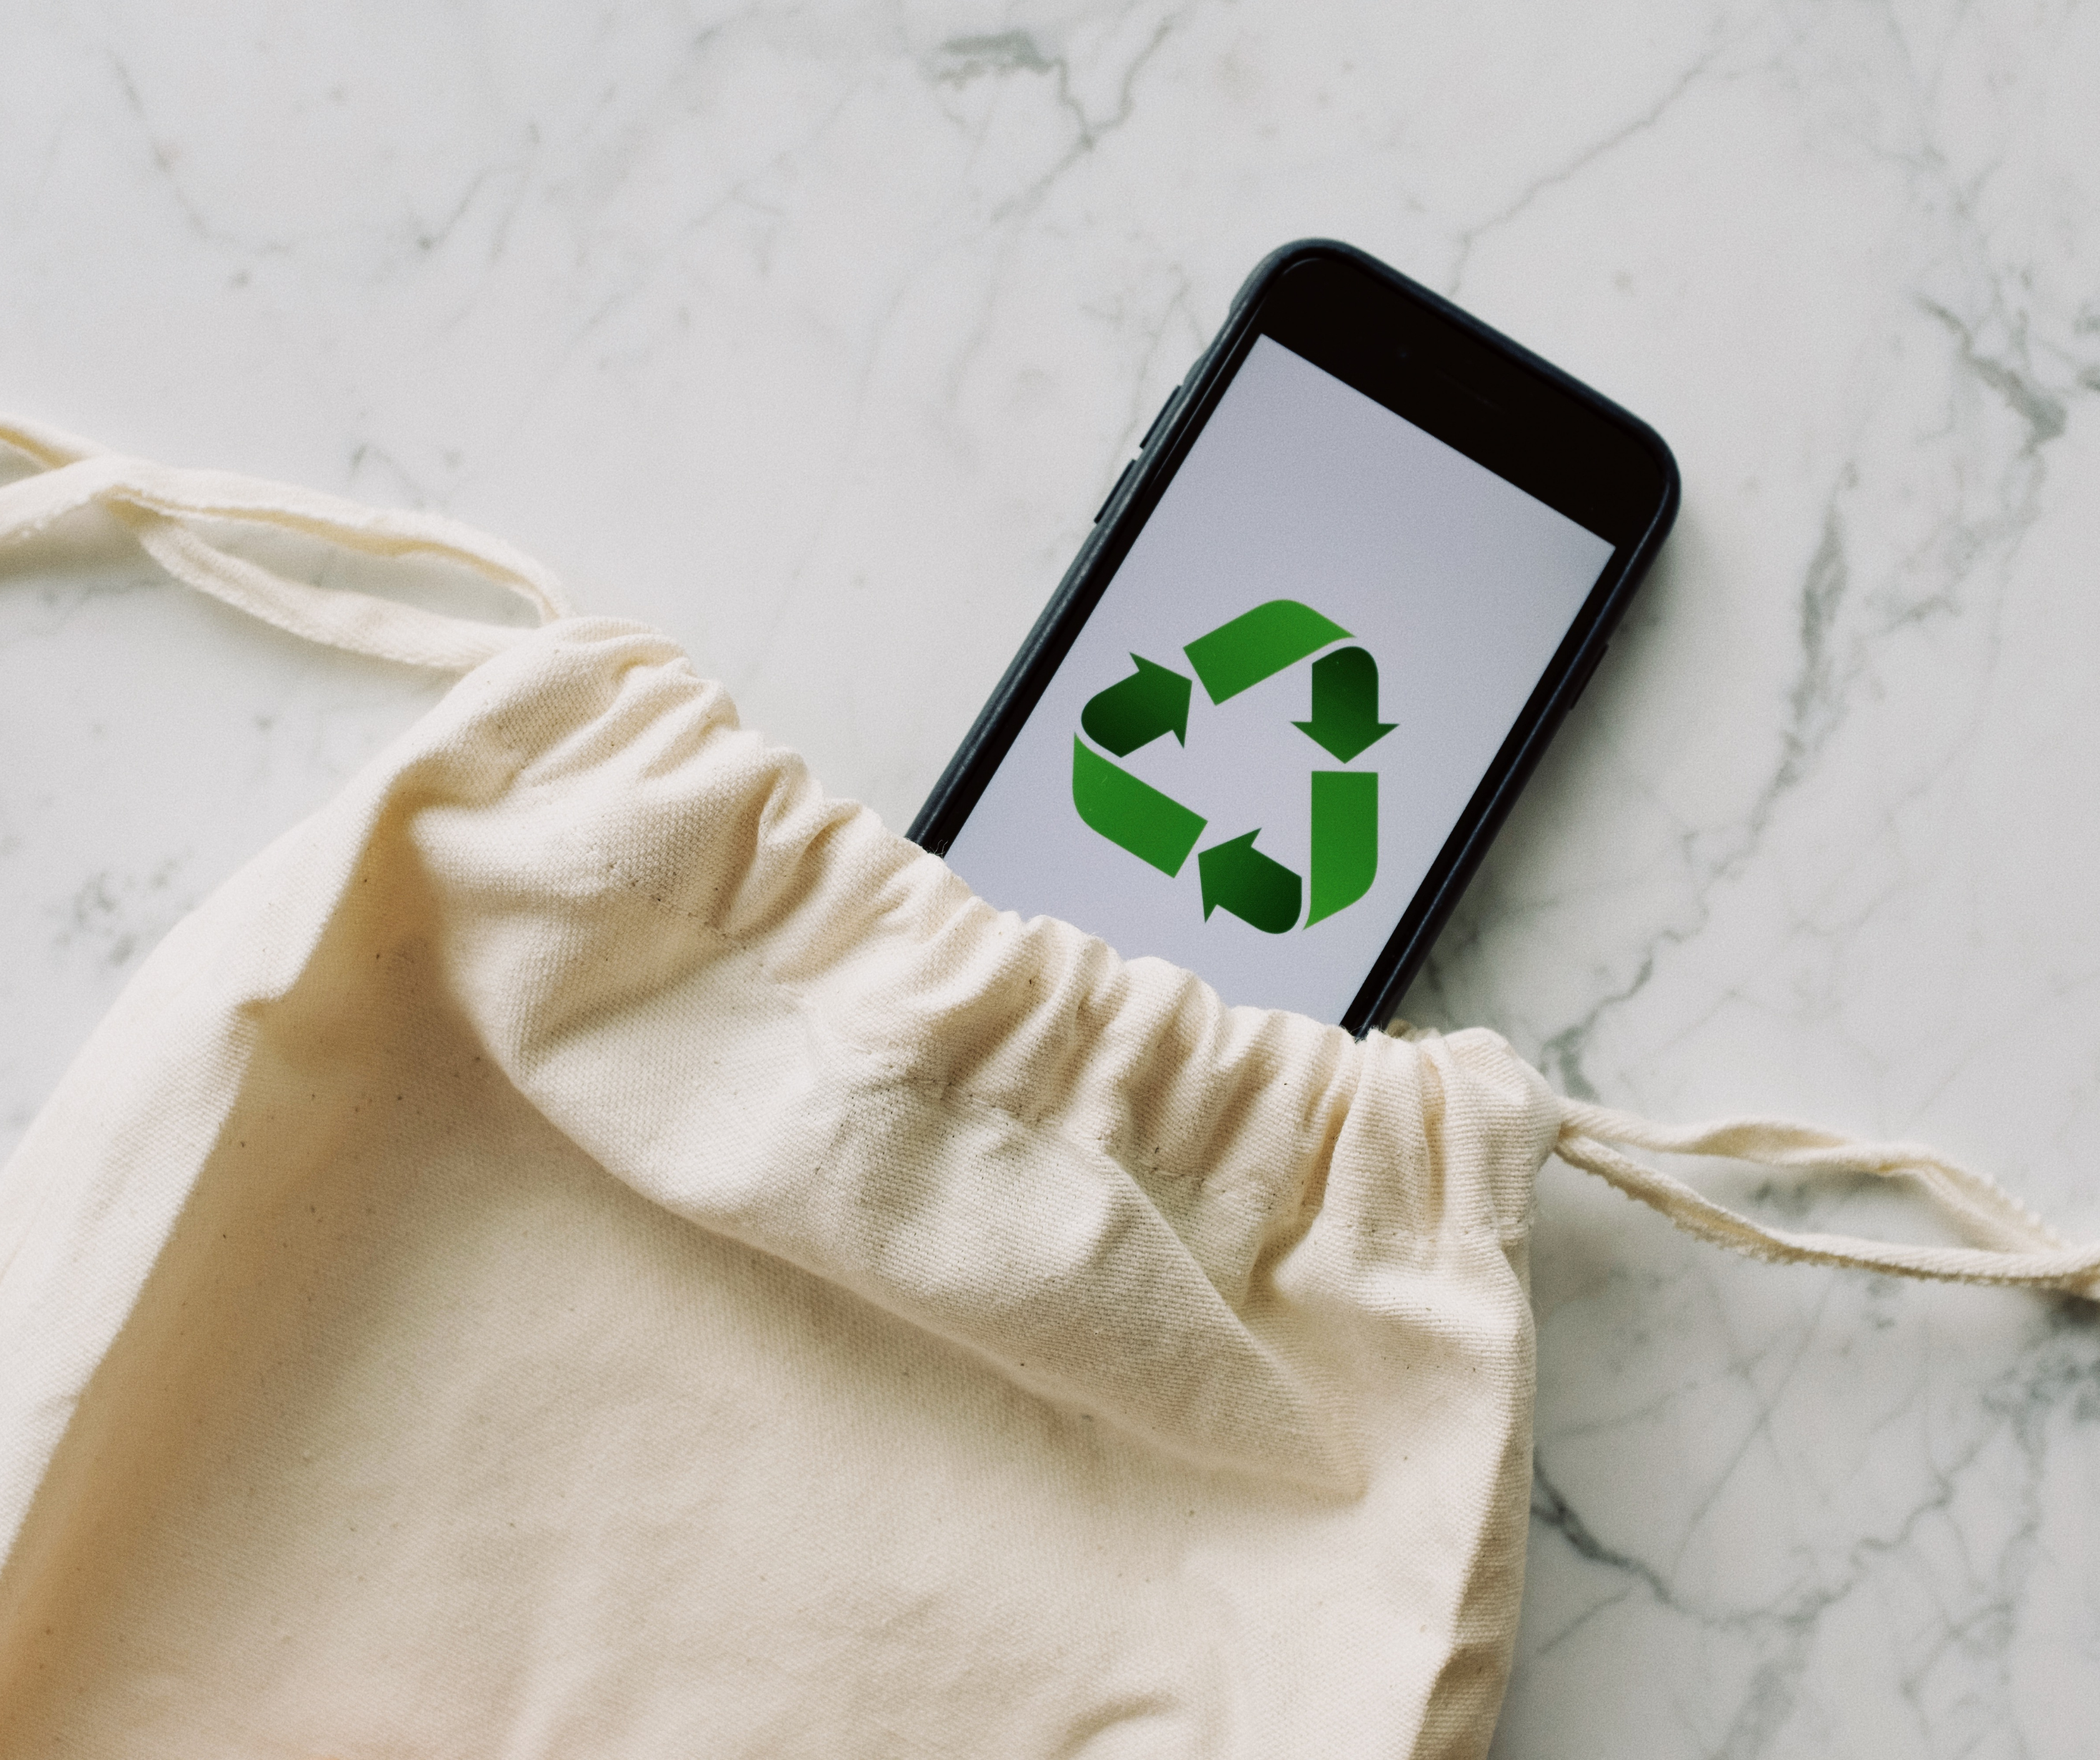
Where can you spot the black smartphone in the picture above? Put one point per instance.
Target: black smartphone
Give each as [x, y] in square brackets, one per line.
[1365, 560]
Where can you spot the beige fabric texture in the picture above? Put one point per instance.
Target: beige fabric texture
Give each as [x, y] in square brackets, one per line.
[588, 1246]
[643, 1262]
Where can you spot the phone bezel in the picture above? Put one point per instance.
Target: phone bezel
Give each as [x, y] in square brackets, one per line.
[1462, 382]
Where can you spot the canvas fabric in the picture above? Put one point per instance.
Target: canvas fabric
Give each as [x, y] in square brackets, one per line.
[590, 1245]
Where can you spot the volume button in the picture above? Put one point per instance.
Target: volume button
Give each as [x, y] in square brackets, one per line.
[1117, 490]
[1159, 418]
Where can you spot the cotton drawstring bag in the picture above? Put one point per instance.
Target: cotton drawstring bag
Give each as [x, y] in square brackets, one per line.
[588, 1246]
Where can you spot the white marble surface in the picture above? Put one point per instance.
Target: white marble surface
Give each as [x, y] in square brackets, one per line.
[815, 334]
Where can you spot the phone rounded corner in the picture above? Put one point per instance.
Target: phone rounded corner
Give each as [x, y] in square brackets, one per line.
[1285, 258]
[1665, 462]
[1270, 268]
[1663, 520]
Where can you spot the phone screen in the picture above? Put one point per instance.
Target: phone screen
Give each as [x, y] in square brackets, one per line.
[1257, 746]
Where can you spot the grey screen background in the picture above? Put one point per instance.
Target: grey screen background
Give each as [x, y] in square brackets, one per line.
[1460, 584]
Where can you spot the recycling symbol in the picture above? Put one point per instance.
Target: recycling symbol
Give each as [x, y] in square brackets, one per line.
[1157, 829]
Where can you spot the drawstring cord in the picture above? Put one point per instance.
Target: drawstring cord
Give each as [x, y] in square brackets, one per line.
[2011, 1244]
[162, 507]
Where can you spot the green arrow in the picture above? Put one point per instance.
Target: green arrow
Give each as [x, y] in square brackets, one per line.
[1153, 827]
[1344, 839]
[1345, 704]
[1248, 884]
[1153, 700]
[1257, 643]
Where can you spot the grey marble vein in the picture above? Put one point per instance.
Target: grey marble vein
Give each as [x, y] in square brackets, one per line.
[814, 335]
